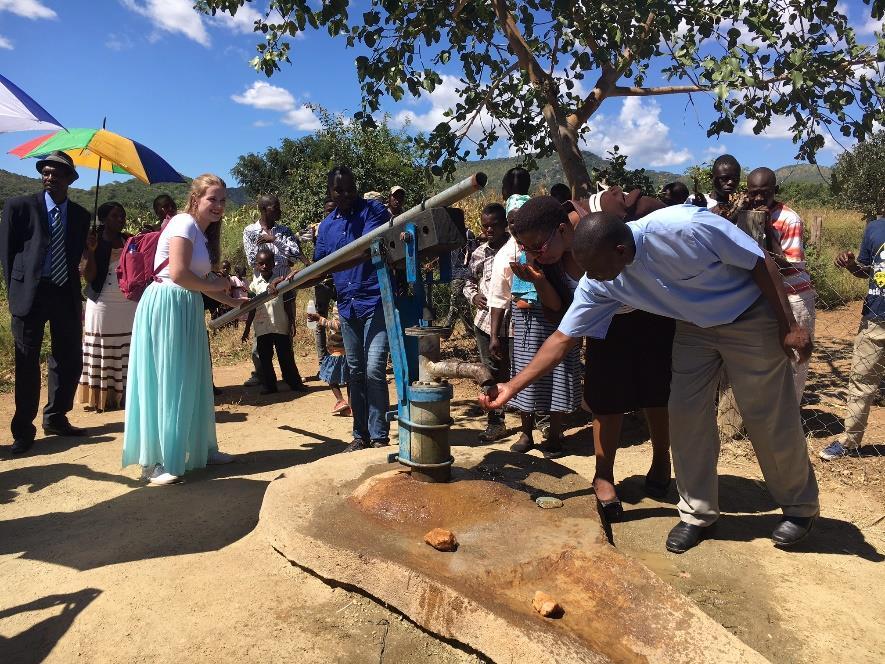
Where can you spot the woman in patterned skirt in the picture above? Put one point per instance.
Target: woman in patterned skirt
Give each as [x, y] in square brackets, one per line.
[538, 227]
[109, 315]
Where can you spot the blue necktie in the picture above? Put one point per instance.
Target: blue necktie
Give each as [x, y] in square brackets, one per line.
[58, 263]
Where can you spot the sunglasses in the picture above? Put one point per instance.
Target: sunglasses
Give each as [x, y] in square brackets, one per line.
[540, 250]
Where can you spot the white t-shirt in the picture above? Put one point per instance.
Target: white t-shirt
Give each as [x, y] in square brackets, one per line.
[183, 225]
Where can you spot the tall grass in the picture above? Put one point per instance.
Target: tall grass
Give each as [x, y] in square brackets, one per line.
[841, 230]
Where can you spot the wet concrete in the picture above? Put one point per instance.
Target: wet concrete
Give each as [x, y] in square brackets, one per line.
[356, 520]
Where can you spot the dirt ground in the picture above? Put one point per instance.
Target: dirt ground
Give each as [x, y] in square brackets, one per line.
[97, 566]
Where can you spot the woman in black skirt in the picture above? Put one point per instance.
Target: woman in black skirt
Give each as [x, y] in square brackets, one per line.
[629, 370]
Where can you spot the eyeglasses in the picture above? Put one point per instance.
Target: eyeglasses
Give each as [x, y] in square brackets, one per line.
[540, 250]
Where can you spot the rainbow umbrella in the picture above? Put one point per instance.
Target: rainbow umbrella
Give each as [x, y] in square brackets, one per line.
[18, 112]
[104, 150]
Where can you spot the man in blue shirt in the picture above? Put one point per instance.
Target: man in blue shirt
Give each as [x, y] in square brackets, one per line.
[731, 310]
[868, 357]
[359, 307]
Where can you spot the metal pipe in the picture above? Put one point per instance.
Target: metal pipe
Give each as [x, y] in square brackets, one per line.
[479, 373]
[359, 247]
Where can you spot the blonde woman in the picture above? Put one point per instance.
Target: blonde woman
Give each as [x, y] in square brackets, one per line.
[170, 411]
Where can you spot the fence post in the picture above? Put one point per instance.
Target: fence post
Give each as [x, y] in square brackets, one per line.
[816, 230]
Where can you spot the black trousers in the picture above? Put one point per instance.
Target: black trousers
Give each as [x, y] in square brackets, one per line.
[56, 306]
[285, 356]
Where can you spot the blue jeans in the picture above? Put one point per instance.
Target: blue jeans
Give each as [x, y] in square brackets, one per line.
[365, 343]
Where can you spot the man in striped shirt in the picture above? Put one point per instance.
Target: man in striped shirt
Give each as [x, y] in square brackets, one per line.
[786, 246]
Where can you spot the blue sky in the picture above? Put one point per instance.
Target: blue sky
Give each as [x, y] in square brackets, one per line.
[180, 83]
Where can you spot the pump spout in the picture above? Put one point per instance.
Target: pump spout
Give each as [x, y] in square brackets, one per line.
[478, 373]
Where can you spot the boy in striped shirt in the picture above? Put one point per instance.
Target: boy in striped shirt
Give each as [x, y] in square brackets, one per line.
[786, 246]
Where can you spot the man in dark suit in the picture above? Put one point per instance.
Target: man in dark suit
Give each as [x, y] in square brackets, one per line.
[42, 238]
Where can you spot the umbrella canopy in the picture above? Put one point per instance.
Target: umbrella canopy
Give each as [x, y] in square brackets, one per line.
[18, 112]
[114, 153]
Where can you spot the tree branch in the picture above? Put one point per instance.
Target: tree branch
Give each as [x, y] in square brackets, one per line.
[527, 60]
[465, 128]
[629, 91]
[629, 53]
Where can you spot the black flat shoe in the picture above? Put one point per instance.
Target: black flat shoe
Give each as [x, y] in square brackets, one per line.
[523, 445]
[656, 489]
[21, 445]
[684, 536]
[612, 510]
[552, 449]
[792, 529]
[64, 429]
[356, 445]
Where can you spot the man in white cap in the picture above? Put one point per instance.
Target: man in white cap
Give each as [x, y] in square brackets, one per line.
[42, 237]
[395, 200]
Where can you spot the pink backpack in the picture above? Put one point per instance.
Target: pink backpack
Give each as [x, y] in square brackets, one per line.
[135, 269]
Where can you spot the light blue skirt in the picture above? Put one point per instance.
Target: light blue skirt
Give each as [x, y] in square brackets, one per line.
[170, 408]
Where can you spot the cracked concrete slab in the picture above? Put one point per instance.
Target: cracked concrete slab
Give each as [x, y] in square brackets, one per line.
[356, 520]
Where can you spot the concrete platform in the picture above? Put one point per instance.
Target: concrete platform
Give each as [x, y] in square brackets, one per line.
[355, 519]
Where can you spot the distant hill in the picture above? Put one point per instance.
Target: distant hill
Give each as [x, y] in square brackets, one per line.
[549, 170]
[804, 173]
[134, 195]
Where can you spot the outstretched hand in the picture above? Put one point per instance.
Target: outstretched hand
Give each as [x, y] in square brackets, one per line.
[845, 260]
[496, 397]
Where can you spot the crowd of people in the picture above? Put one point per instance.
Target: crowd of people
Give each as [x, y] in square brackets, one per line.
[620, 302]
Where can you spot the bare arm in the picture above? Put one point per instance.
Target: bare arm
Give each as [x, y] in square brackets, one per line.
[495, 320]
[847, 261]
[548, 356]
[90, 268]
[180, 252]
[793, 336]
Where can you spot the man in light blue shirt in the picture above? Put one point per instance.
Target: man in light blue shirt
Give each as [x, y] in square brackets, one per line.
[689, 264]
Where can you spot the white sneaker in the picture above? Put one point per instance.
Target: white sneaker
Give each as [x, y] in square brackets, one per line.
[161, 477]
[147, 471]
[217, 458]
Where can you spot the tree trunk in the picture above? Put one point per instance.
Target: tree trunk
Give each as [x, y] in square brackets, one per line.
[565, 140]
[573, 165]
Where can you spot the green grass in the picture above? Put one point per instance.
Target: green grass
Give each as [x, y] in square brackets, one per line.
[841, 230]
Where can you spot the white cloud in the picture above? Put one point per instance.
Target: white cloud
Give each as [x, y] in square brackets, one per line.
[243, 22]
[5, 43]
[638, 132]
[443, 97]
[714, 151]
[266, 97]
[302, 118]
[118, 42]
[870, 26]
[262, 123]
[32, 9]
[175, 16]
[779, 128]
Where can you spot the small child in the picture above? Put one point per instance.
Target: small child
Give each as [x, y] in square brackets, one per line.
[272, 325]
[333, 367]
